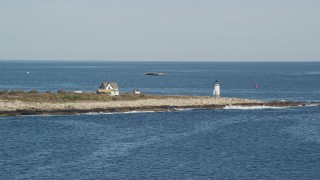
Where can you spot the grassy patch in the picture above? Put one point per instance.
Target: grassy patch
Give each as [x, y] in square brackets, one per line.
[64, 96]
[71, 97]
[106, 98]
[18, 92]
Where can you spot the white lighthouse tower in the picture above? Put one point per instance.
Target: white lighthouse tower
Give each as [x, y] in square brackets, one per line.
[216, 91]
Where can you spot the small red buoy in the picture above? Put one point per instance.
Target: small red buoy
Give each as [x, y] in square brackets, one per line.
[256, 85]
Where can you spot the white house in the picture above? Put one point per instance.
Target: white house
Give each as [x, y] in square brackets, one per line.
[109, 88]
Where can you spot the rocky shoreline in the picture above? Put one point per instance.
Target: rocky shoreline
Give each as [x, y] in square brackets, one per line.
[17, 108]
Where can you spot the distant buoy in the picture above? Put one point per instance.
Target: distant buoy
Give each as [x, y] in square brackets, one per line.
[256, 85]
[28, 72]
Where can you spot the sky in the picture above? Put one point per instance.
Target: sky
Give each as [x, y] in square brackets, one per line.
[208, 30]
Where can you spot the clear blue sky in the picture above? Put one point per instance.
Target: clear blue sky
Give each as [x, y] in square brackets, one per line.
[160, 29]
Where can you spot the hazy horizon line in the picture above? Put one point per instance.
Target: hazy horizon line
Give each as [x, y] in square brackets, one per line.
[165, 60]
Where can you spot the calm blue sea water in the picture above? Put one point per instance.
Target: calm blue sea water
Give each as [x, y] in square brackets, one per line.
[193, 144]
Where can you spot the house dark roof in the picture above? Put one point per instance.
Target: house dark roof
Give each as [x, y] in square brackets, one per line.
[105, 84]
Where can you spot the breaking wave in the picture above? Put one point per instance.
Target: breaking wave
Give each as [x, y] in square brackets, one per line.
[251, 107]
[127, 112]
[184, 109]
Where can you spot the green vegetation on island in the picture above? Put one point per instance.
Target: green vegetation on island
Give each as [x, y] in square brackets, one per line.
[14, 103]
[66, 96]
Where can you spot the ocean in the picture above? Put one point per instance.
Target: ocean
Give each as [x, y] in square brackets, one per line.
[230, 143]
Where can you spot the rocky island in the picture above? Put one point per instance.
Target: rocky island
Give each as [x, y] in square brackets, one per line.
[16, 103]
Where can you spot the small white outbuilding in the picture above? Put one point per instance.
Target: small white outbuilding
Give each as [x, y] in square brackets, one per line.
[136, 91]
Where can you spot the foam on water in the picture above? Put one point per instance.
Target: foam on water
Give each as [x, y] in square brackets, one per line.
[183, 109]
[251, 107]
[128, 112]
[133, 112]
[313, 105]
[89, 113]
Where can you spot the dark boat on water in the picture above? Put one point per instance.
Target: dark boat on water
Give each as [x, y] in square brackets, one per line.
[154, 73]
